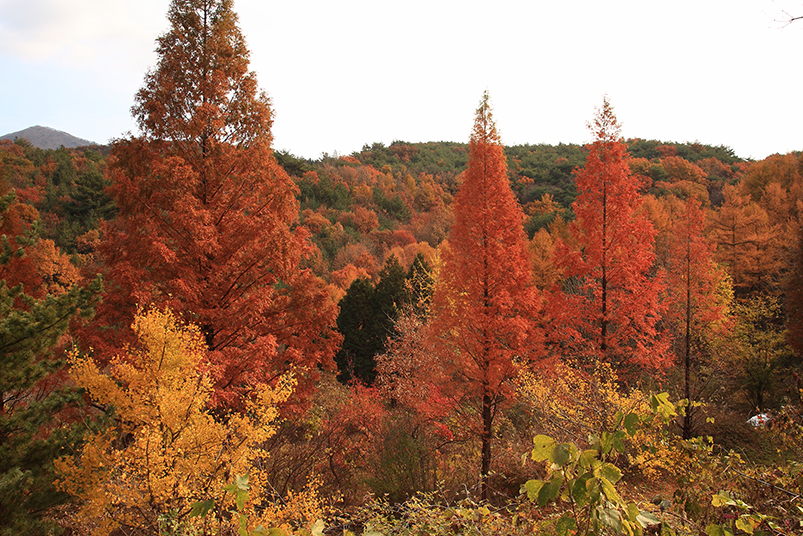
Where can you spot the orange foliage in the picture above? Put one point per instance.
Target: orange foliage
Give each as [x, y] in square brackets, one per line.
[746, 241]
[680, 169]
[485, 306]
[613, 312]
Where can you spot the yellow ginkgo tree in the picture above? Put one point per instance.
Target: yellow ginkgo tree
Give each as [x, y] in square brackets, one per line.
[167, 450]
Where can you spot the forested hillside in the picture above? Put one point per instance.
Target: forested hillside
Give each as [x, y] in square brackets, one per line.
[200, 334]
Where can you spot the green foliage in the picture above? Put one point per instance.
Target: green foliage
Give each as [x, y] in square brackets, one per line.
[585, 480]
[763, 352]
[315, 191]
[366, 318]
[33, 427]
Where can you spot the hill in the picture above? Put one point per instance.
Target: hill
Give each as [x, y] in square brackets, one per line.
[48, 138]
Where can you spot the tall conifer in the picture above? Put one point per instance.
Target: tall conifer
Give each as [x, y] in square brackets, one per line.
[207, 216]
[485, 303]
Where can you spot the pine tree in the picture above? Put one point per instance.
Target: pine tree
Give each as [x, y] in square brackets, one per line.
[207, 216]
[32, 323]
[484, 302]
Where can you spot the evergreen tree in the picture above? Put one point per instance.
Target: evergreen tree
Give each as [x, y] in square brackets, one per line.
[33, 430]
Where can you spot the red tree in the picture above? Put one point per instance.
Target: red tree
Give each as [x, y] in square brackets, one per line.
[610, 304]
[484, 303]
[206, 222]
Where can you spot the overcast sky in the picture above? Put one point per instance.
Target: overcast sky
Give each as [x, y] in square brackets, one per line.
[345, 73]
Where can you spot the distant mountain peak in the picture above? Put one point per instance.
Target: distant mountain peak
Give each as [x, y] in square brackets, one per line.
[48, 138]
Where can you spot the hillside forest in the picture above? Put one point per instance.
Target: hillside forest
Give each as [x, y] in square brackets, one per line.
[203, 335]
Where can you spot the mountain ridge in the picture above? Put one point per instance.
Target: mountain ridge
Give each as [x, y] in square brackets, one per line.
[48, 138]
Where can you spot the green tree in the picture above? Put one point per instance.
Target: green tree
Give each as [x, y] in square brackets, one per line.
[366, 320]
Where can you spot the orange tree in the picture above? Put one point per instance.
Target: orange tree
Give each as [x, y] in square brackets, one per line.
[207, 216]
[484, 303]
[609, 307]
[697, 294]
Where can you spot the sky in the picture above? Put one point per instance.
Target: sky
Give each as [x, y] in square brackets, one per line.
[343, 74]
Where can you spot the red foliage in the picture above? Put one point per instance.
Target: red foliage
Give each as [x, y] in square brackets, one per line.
[613, 312]
[206, 216]
[485, 304]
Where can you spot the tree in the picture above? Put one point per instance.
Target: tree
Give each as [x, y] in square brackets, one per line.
[696, 305]
[745, 241]
[485, 304]
[794, 299]
[34, 428]
[167, 451]
[207, 216]
[612, 313]
[367, 315]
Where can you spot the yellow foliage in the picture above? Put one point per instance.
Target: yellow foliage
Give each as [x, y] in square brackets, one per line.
[574, 401]
[167, 450]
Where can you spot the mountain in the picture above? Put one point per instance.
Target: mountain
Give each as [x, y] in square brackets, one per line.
[48, 138]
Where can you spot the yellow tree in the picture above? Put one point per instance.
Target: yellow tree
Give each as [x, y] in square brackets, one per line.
[167, 451]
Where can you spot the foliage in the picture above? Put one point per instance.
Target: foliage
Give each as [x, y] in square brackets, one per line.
[167, 449]
[485, 306]
[367, 315]
[614, 309]
[698, 301]
[745, 239]
[585, 480]
[763, 352]
[36, 410]
[207, 216]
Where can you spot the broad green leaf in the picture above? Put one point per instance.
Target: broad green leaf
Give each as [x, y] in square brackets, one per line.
[618, 441]
[631, 423]
[532, 487]
[608, 471]
[563, 454]
[606, 442]
[645, 519]
[714, 530]
[722, 499]
[201, 508]
[610, 491]
[549, 491]
[543, 447]
[593, 489]
[587, 458]
[240, 498]
[611, 518]
[579, 491]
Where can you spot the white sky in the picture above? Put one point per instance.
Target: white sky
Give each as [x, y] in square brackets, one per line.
[351, 72]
